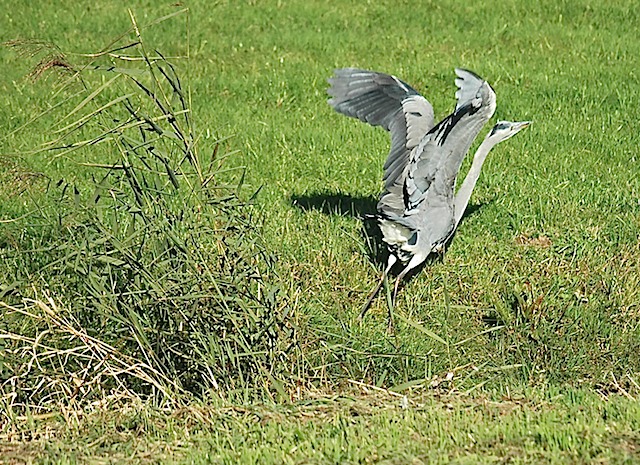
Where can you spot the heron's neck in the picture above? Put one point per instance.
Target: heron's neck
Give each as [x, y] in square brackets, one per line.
[464, 193]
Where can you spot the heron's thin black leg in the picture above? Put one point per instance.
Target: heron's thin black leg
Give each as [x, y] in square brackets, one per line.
[367, 304]
[391, 260]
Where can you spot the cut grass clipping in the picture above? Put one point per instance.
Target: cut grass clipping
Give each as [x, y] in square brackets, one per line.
[153, 280]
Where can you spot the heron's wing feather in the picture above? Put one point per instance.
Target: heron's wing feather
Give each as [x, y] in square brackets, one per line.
[469, 85]
[383, 100]
[375, 98]
[407, 130]
[408, 181]
[435, 162]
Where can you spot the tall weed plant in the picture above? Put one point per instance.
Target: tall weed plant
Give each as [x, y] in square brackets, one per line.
[154, 279]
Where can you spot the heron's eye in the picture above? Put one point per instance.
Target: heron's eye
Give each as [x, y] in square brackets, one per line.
[498, 127]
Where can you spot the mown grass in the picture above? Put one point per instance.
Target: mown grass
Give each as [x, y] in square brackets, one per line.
[539, 288]
[572, 178]
[356, 427]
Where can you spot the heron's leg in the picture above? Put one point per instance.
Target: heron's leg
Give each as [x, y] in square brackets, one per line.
[392, 302]
[365, 308]
[367, 304]
[390, 306]
[397, 284]
[395, 289]
[415, 261]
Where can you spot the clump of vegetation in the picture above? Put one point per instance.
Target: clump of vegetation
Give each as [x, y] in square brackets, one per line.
[152, 279]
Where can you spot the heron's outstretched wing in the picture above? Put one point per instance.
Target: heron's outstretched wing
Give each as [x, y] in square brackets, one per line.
[383, 100]
[434, 164]
[469, 85]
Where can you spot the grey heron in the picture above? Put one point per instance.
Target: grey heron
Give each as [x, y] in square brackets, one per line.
[417, 209]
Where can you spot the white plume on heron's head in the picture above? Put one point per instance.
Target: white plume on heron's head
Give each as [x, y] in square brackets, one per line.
[503, 130]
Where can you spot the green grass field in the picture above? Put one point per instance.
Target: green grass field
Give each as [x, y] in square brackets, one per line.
[521, 346]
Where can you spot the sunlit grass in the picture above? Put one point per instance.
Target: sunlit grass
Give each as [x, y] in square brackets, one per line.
[561, 427]
[539, 287]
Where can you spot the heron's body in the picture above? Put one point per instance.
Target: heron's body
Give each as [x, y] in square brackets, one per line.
[417, 209]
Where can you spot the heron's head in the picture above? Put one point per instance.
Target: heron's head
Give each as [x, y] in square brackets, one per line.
[505, 129]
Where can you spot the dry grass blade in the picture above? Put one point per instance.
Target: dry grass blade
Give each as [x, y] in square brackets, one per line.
[78, 371]
[51, 57]
[88, 99]
[162, 261]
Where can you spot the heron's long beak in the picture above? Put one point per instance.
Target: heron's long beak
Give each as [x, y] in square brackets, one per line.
[522, 124]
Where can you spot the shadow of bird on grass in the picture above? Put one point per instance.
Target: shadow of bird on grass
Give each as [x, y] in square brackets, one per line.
[364, 209]
[336, 204]
[361, 208]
